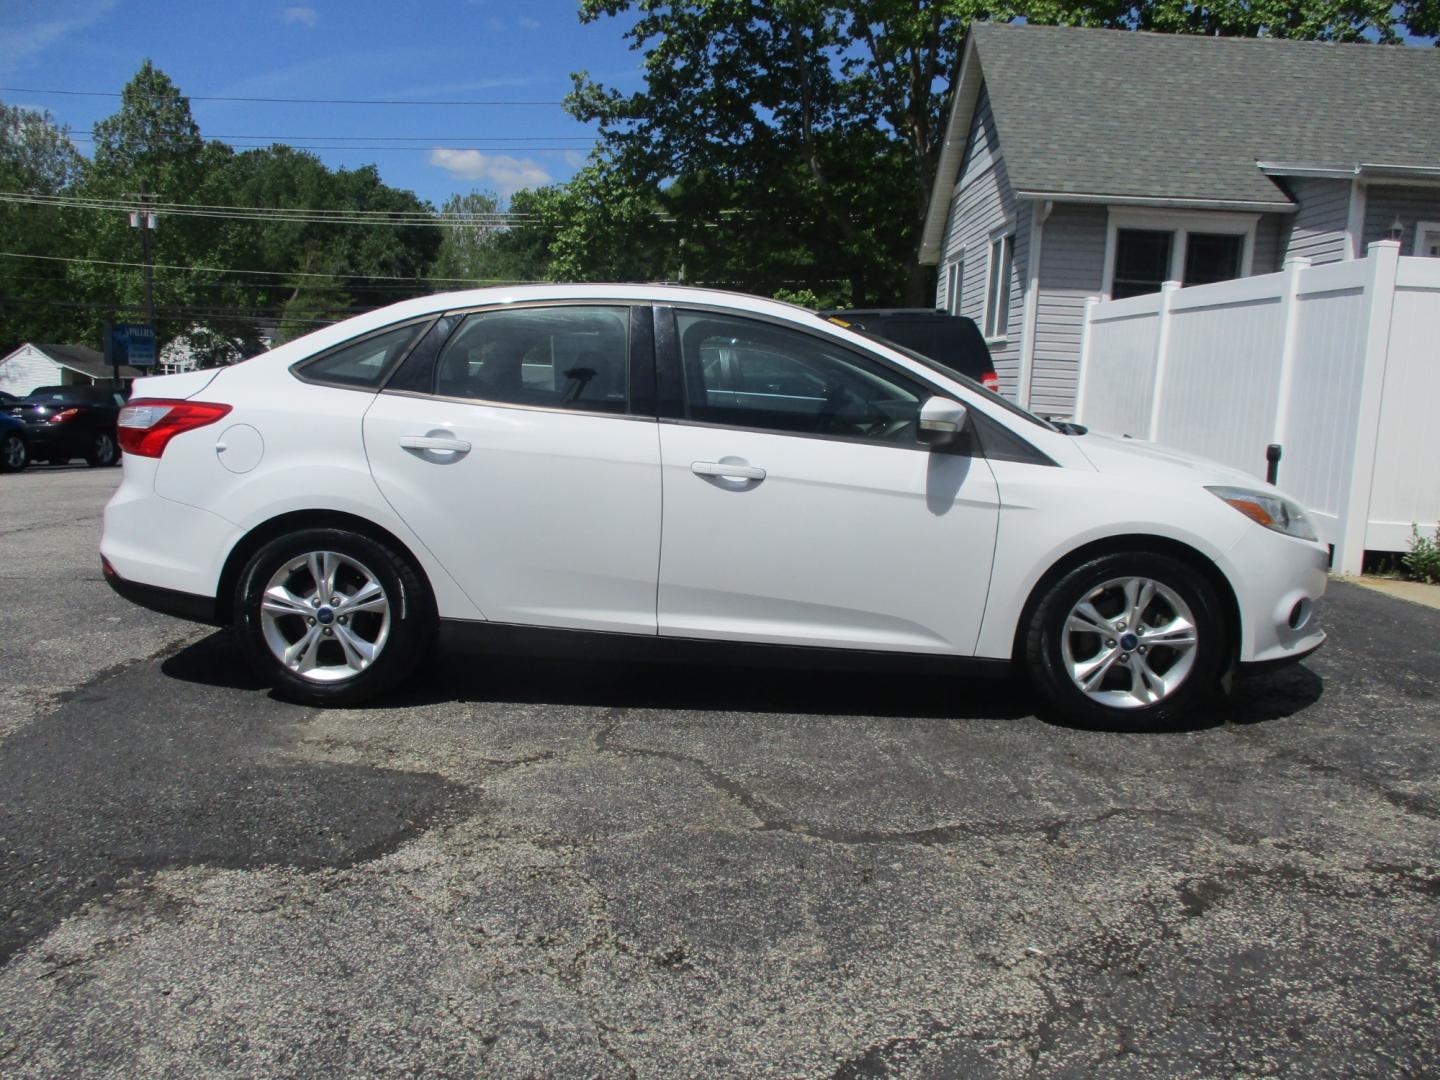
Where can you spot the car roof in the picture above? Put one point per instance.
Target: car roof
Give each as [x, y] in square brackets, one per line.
[890, 313]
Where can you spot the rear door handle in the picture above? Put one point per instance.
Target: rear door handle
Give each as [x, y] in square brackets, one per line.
[436, 443]
[729, 472]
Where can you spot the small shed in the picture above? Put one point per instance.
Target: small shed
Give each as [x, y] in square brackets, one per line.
[33, 365]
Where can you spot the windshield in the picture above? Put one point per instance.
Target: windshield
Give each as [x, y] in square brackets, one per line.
[950, 373]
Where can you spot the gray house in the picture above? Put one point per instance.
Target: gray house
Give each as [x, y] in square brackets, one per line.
[1082, 162]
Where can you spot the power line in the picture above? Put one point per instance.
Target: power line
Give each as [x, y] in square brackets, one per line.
[282, 100]
[473, 282]
[386, 146]
[394, 218]
[398, 138]
[175, 312]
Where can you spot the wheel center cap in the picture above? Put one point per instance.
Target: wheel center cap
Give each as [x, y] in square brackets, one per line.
[1128, 642]
[325, 616]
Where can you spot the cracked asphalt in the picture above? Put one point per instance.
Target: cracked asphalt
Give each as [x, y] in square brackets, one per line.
[531, 868]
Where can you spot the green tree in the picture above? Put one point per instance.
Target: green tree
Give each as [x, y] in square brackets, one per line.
[795, 143]
[469, 241]
[36, 157]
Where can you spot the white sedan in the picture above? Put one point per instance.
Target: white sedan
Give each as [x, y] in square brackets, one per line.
[642, 469]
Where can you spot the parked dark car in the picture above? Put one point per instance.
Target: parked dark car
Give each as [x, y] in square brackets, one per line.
[14, 444]
[64, 422]
[7, 398]
[950, 340]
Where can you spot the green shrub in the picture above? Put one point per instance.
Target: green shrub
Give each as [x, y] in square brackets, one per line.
[1422, 562]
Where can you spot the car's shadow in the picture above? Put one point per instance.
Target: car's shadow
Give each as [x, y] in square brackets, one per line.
[539, 680]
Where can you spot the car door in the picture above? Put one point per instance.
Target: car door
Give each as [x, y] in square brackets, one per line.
[513, 451]
[800, 507]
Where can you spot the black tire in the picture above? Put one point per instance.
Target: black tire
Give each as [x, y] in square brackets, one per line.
[103, 452]
[412, 625]
[14, 452]
[1044, 648]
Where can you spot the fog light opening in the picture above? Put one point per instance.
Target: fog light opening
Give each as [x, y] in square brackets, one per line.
[1300, 614]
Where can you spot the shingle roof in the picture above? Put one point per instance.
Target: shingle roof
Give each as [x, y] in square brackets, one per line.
[1114, 112]
[83, 358]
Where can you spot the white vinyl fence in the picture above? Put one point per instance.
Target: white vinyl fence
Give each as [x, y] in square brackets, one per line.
[1337, 364]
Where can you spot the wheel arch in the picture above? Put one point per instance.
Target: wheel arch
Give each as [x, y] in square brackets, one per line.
[293, 521]
[1148, 544]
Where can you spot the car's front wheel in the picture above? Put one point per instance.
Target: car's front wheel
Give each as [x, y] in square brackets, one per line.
[332, 617]
[1127, 641]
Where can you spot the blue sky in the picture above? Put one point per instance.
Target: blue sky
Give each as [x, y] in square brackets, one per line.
[373, 49]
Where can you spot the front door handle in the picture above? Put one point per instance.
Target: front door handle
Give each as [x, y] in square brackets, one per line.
[727, 471]
[435, 444]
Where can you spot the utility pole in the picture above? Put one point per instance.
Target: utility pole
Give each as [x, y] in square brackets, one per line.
[144, 220]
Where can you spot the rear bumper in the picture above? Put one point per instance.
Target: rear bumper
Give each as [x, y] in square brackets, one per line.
[182, 605]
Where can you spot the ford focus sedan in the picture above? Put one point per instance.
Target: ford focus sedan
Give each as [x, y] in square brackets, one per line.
[638, 470]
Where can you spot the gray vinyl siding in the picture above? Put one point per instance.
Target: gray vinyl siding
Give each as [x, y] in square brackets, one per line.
[1317, 228]
[1411, 204]
[1269, 243]
[1072, 267]
[983, 202]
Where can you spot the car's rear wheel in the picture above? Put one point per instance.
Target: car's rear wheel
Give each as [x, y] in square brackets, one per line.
[14, 453]
[332, 617]
[103, 450]
[1127, 641]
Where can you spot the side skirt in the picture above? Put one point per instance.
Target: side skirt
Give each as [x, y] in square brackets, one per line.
[509, 639]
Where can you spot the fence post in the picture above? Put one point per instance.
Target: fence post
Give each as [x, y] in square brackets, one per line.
[1081, 377]
[1295, 268]
[1162, 354]
[1384, 263]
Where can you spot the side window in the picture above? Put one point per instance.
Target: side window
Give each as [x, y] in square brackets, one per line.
[755, 375]
[363, 363]
[556, 357]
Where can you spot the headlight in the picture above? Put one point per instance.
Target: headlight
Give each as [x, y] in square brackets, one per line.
[1268, 509]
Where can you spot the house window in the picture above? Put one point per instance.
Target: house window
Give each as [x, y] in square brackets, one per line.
[1194, 247]
[1142, 261]
[1427, 239]
[997, 291]
[955, 285]
[1212, 257]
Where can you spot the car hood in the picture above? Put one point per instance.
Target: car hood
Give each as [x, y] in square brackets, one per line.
[1141, 459]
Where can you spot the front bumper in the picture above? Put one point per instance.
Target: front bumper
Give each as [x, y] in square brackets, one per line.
[1277, 581]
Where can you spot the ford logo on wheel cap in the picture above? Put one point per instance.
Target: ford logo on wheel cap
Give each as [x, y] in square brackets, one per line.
[325, 616]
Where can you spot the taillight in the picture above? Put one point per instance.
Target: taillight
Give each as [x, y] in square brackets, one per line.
[990, 381]
[147, 425]
[63, 415]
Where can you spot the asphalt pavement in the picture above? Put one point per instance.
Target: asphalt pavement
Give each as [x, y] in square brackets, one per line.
[552, 868]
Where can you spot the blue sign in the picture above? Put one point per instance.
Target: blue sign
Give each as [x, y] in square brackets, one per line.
[131, 343]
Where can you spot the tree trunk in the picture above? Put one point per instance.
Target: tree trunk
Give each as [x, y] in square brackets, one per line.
[920, 286]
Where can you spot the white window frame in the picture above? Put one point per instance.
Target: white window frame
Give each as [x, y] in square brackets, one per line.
[1424, 230]
[991, 328]
[1181, 223]
[955, 283]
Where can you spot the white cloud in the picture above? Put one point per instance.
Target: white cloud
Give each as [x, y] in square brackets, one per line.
[529, 23]
[574, 158]
[304, 16]
[502, 172]
[23, 42]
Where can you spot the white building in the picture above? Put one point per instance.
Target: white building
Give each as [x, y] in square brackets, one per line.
[33, 365]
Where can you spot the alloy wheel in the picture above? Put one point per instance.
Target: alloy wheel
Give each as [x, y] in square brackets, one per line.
[13, 452]
[1129, 642]
[325, 616]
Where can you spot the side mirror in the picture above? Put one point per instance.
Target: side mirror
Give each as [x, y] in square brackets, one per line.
[941, 421]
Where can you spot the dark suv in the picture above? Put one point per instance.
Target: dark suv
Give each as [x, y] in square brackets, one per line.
[952, 341]
[64, 422]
